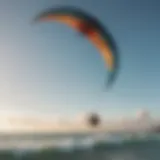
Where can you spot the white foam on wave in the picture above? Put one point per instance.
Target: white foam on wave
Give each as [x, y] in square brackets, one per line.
[66, 144]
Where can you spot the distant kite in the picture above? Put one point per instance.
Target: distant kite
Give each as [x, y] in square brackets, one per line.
[91, 28]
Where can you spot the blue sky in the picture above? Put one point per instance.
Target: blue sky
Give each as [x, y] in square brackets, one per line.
[48, 68]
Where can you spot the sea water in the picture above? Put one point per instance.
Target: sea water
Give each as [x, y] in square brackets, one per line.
[79, 147]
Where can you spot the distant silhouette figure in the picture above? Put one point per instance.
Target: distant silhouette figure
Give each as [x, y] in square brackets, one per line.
[94, 120]
[156, 129]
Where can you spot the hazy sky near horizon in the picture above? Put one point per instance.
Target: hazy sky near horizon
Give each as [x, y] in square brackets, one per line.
[50, 69]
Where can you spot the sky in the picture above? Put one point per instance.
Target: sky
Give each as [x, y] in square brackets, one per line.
[48, 69]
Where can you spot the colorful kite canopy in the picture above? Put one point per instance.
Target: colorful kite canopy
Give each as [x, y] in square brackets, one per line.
[91, 28]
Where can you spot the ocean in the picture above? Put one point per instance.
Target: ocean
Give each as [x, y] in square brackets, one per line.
[80, 147]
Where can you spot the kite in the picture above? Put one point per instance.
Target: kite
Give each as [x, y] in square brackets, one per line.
[92, 29]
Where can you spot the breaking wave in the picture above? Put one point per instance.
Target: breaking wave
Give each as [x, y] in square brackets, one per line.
[76, 146]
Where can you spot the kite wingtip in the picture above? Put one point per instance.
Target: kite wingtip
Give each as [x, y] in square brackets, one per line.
[35, 20]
